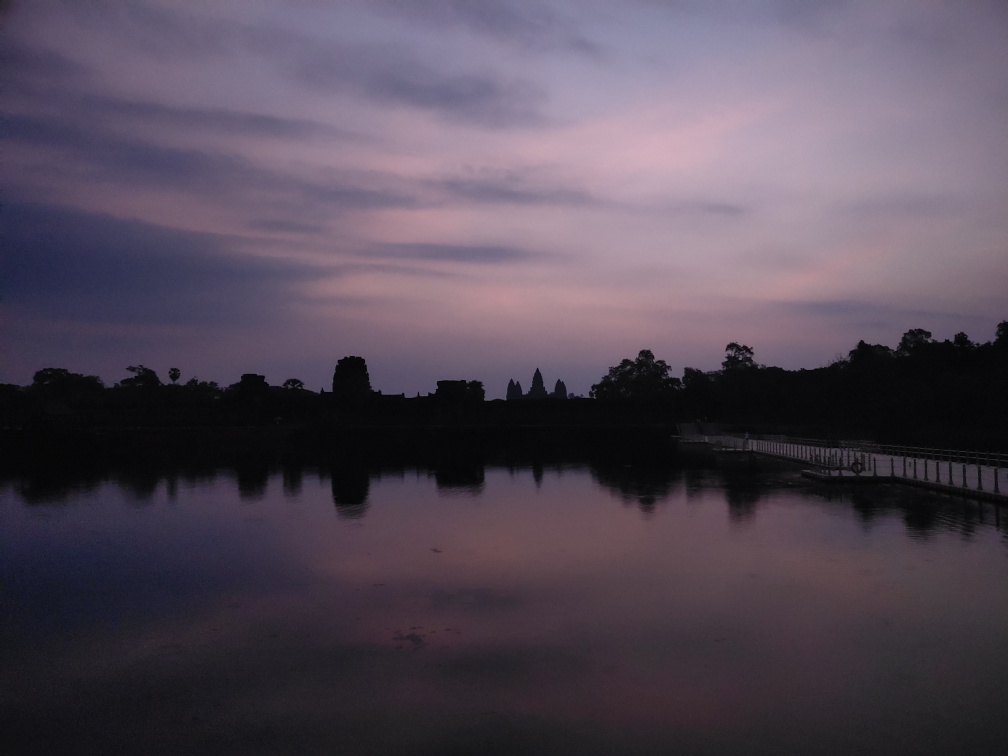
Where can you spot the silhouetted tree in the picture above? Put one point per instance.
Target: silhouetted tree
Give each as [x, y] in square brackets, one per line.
[58, 387]
[61, 380]
[195, 383]
[642, 379]
[143, 377]
[174, 374]
[1001, 337]
[737, 357]
[475, 391]
[868, 356]
[962, 341]
[293, 384]
[912, 342]
[698, 394]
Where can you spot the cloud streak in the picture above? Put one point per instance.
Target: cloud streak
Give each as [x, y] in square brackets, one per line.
[66, 264]
[480, 255]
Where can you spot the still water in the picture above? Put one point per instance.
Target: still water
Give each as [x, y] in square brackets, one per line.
[576, 609]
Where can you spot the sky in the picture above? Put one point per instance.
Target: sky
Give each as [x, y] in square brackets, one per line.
[471, 190]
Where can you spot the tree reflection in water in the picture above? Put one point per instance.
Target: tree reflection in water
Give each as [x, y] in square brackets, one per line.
[644, 483]
[253, 476]
[463, 475]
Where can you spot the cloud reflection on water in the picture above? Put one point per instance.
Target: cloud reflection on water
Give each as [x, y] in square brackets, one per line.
[532, 615]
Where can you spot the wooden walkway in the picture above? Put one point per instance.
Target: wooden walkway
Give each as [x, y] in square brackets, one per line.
[973, 474]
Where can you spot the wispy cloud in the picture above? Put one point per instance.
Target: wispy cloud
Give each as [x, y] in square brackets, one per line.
[113, 156]
[391, 75]
[513, 187]
[66, 264]
[214, 120]
[483, 255]
[25, 67]
[532, 26]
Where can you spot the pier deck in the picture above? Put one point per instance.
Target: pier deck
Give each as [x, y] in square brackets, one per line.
[974, 474]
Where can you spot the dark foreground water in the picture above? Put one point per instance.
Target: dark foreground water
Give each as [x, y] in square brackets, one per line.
[487, 610]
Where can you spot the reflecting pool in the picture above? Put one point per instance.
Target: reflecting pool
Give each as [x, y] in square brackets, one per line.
[470, 608]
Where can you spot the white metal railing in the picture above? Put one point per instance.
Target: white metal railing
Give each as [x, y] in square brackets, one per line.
[968, 470]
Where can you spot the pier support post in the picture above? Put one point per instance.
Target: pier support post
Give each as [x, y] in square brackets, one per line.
[915, 468]
[979, 477]
[904, 467]
[950, 474]
[937, 472]
[925, 468]
[995, 481]
[892, 467]
[964, 475]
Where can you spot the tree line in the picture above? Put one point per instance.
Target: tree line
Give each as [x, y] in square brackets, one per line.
[951, 393]
[923, 391]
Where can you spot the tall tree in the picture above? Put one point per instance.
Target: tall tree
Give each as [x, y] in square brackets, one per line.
[912, 342]
[644, 378]
[1001, 335]
[738, 357]
[143, 377]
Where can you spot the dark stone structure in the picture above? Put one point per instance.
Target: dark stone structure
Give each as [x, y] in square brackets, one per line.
[351, 381]
[514, 391]
[538, 389]
[459, 392]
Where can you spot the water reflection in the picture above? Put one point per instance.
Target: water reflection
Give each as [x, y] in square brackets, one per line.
[142, 483]
[645, 484]
[252, 473]
[549, 619]
[351, 484]
[293, 479]
[460, 475]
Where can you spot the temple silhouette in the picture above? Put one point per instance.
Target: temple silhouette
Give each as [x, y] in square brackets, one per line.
[537, 390]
